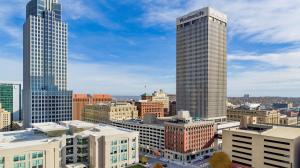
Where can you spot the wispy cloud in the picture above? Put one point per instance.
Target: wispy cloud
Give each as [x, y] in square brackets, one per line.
[277, 74]
[112, 78]
[260, 21]
[288, 58]
[82, 9]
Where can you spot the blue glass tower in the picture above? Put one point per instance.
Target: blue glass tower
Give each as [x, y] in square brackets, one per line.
[45, 42]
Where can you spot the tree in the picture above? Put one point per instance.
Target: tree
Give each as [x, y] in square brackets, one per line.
[220, 160]
[158, 165]
[144, 159]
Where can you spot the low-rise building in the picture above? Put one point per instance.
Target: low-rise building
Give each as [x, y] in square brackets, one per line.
[79, 101]
[5, 119]
[186, 139]
[146, 96]
[146, 107]
[100, 146]
[72, 143]
[106, 112]
[177, 138]
[284, 120]
[256, 145]
[161, 96]
[263, 116]
[282, 105]
[100, 98]
[151, 135]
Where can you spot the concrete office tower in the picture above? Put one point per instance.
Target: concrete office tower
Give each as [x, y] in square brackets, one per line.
[10, 98]
[201, 63]
[46, 98]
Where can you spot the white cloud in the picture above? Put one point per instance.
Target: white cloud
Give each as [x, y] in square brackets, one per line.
[289, 58]
[82, 9]
[266, 21]
[280, 78]
[116, 79]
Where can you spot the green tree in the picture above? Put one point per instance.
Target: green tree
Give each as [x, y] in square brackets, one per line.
[144, 159]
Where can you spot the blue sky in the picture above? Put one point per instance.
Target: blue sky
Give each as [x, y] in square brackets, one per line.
[117, 47]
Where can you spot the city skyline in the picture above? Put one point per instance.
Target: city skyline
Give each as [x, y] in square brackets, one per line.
[262, 51]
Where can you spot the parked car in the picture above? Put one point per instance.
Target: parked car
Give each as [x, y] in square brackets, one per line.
[206, 156]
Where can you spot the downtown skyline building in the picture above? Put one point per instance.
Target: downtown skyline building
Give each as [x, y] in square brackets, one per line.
[10, 98]
[45, 49]
[201, 67]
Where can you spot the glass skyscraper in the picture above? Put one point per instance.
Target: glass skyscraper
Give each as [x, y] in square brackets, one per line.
[201, 65]
[10, 99]
[45, 96]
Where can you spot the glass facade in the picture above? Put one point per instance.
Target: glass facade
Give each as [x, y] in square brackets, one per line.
[10, 99]
[6, 97]
[46, 98]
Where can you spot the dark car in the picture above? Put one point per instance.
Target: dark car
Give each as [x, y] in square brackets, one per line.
[206, 156]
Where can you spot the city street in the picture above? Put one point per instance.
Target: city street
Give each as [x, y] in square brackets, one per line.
[171, 164]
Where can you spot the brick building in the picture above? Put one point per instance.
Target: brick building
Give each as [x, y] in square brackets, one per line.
[144, 107]
[80, 100]
[101, 98]
[186, 139]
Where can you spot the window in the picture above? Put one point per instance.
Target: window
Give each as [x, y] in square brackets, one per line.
[123, 156]
[113, 159]
[19, 165]
[37, 163]
[35, 155]
[2, 162]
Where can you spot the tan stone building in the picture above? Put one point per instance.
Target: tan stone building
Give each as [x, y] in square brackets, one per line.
[263, 116]
[27, 149]
[105, 112]
[161, 96]
[79, 101]
[284, 120]
[5, 119]
[69, 144]
[262, 146]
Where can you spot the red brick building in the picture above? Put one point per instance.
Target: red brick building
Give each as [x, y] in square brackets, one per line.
[78, 103]
[186, 139]
[156, 108]
[80, 100]
[101, 98]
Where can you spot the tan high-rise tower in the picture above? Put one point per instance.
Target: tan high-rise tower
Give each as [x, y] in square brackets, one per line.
[201, 63]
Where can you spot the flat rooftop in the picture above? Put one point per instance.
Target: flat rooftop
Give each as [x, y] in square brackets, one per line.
[77, 124]
[106, 130]
[48, 127]
[15, 139]
[140, 122]
[275, 131]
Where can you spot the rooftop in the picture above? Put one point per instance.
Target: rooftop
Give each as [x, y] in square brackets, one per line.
[15, 139]
[77, 124]
[275, 131]
[49, 126]
[106, 130]
[140, 122]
